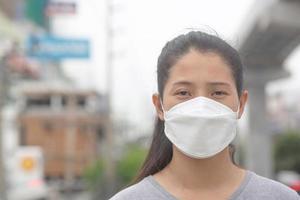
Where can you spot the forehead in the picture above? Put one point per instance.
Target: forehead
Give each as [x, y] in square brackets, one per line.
[201, 67]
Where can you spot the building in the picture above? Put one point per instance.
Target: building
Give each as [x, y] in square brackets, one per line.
[67, 124]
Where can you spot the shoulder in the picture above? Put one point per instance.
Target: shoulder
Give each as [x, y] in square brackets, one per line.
[138, 191]
[268, 188]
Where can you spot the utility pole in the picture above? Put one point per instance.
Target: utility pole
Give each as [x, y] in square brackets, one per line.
[3, 94]
[109, 136]
[70, 140]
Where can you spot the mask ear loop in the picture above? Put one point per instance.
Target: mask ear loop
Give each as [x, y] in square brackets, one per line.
[162, 107]
[238, 110]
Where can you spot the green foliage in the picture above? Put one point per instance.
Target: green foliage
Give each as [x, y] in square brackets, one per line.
[287, 151]
[94, 174]
[126, 168]
[130, 163]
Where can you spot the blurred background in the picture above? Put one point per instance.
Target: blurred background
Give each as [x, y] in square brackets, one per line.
[76, 79]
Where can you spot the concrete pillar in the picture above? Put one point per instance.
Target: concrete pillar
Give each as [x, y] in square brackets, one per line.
[259, 144]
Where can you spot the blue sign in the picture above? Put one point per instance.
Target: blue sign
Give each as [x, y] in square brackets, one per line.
[49, 47]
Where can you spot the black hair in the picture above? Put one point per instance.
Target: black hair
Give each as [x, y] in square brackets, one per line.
[160, 153]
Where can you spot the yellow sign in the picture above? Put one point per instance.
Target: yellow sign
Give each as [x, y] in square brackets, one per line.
[28, 163]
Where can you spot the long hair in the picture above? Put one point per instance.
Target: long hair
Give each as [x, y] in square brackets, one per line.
[160, 153]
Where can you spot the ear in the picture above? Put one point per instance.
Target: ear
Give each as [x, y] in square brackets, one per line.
[158, 107]
[243, 101]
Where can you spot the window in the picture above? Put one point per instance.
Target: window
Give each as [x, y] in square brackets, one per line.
[81, 101]
[42, 101]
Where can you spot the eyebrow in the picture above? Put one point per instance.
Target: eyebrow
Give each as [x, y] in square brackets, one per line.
[182, 83]
[209, 83]
[218, 83]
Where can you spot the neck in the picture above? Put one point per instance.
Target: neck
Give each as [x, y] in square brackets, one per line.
[204, 173]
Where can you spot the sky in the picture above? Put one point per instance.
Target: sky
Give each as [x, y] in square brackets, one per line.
[140, 30]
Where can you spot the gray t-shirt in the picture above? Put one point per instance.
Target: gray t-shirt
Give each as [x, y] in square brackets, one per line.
[253, 187]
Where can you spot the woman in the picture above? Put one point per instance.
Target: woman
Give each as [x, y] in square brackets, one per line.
[200, 99]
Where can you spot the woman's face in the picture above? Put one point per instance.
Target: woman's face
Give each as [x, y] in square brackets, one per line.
[200, 74]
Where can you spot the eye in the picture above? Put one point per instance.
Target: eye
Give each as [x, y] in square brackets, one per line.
[183, 93]
[219, 94]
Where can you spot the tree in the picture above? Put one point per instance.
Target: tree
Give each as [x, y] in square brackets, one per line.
[127, 168]
[287, 151]
[94, 174]
[130, 164]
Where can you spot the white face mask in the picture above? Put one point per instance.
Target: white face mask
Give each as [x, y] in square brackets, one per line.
[200, 127]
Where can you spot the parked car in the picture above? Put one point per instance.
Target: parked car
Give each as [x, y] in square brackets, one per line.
[296, 186]
[290, 178]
